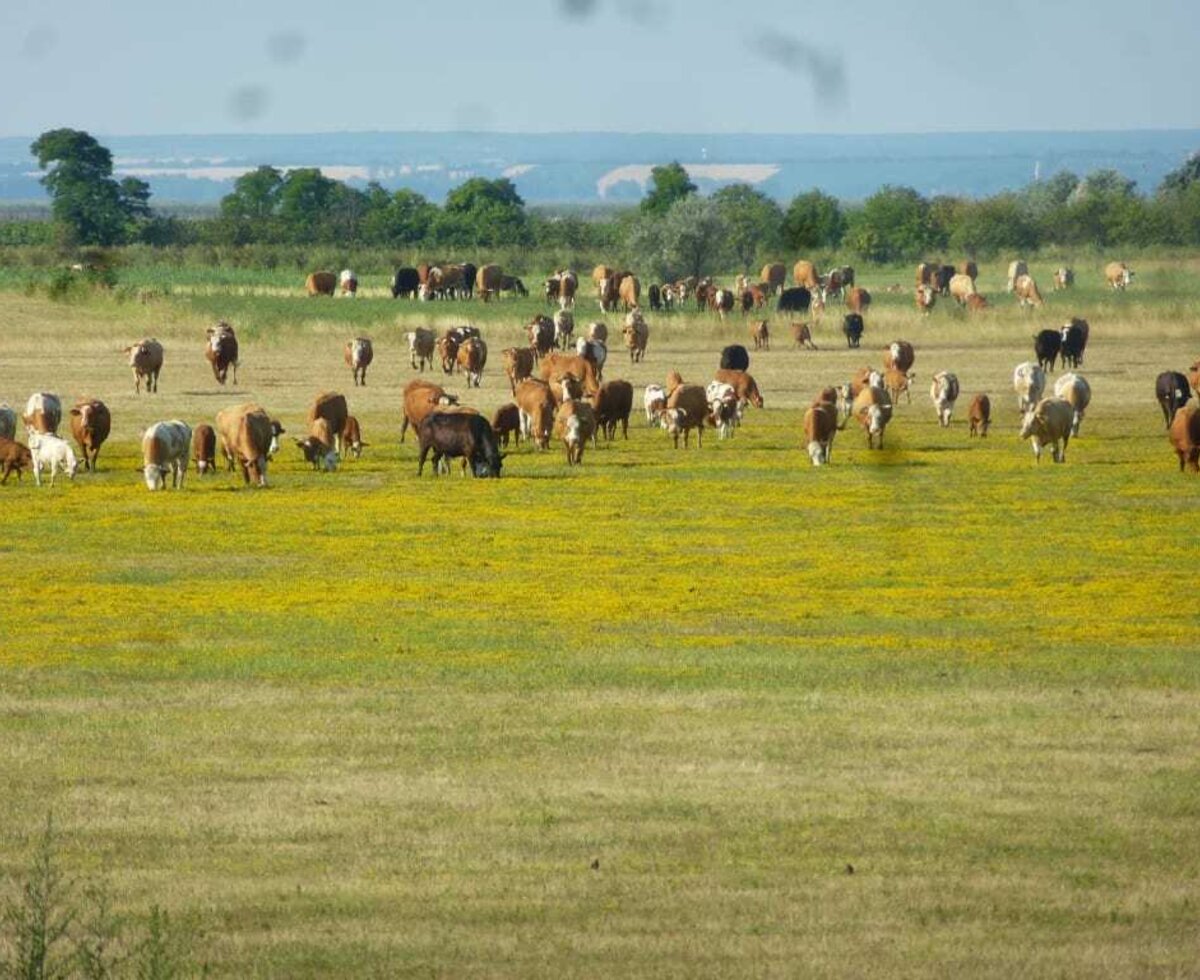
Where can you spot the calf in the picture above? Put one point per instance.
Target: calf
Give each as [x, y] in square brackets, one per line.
[352, 437]
[146, 360]
[506, 421]
[420, 347]
[802, 336]
[654, 400]
[204, 448]
[1048, 423]
[359, 354]
[857, 300]
[744, 385]
[49, 450]
[925, 298]
[165, 450]
[541, 336]
[1046, 347]
[90, 424]
[897, 382]
[852, 327]
[612, 405]
[820, 426]
[14, 456]
[944, 393]
[979, 415]
[1184, 436]
[761, 335]
[468, 437]
[1173, 392]
[317, 451]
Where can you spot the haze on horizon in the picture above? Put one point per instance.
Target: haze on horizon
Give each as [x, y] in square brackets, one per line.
[142, 67]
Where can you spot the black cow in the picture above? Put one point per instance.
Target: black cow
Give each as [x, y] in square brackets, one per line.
[852, 327]
[940, 280]
[794, 300]
[654, 295]
[405, 282]
[1172, 391]
[1046, 346]
[468, 286]
[512, 284]
[735, 357]
[466, 437]
[1074, 342]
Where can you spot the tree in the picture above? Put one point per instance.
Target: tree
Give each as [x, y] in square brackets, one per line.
[668, 184]
[1183, 177]
[483, 212]
[694, 238]
[752, 219]
[813, 220]
[88, 204]
[894, 223]
[304, 200]
[403, 218]
[993, 226]
[255, 196]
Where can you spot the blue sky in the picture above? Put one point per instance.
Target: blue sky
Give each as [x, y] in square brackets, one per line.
[135, 66]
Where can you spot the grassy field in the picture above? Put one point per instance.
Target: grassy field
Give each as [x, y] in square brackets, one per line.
[927, 712]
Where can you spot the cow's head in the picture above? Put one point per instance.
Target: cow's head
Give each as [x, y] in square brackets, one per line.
[1030, 423]
[155, 476]
[816, 452]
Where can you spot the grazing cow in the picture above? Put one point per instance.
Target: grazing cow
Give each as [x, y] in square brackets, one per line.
[804, 273]
[761, 335]
[925, 298]
[488, 281]
[722, 302]
[460, 436]
[245, 434]
[654, 400]
[14, 456]
[896, 383]
[541, 336]
[43, 413]
[441, 282]
[976, 302]
[925, 273]
[743, 385]
[146, 360]
[330, 407]
[8, 422]
[165, 450]
[857, 300]
[555, 367]
[1184, 436]
[820, 426]
[942, 277]
[724, 411]
[944, 393]
[969, 268]
[979, 415]
[506, 422]
[1064, 278]
[1016, 269]
[49, 450]
[222, 351]
[612, 405]
[1118, 275]
[420, 399]
[802, 336]
[735, 357]
[852, 327]
[1173, 392]
[204, 448]
[349, 283]
[405, 282]
[873, 409]
[1048, 424]
[535, 402]
[1029, 381]
[320, 284]
[961, 287]
[90, 424]
[318, 446]
[359, 354]
[1027, 292]
[421, 344]
[899, 354]
[774, 275]
[798, 299]
[635, 333]
[630, 292]
[1046, 347]
[514, 285]
[595, 351]
[1074, 342]
[687, 409]
[1076, 392]
[518, 365]
[575, 424]
[472, 358]
[352, 437]
[564, 329]
[654, 297]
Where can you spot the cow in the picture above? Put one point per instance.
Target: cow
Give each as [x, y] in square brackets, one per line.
[405, 282]
[670, 296]
[472, 358]
[1064, 278]
[597, 331]
[969, 268]
[802, 336]
[204, 448]
[804, 273]
[602, 272]
[831, 283]
[687, 409]
[595, 351]
[1027, 293]
[541, 336]
[555, 366]
[1194, 375]
[14, 456]
[460, 436]
[942, 276]
[961, 287]
[735, 357]
[608, 294]
[330, 407]
[1076, 392]
[761, 335]
[899, 354]
[1029, 381]
[447, 352]
[724, 411]
[514, 285]
[795, 300]
[441, 282]
[1016, 269]
[1074, 342]
[820, 426]
[852, 327]
[165, 450]
[421, 343]
[564, 329]
[317, 449]
[90, 425]
[944, 393]
[654, 400]
[857, 300]
[896, 383]
[43, 413]
[865, 377]
[979, 415]
[1046, 347]
[774, 275]
[630, 292]
[673, 380]
[535, 403]
[359, 353]
[575, 423]
[518, 365]
[1173, 392]
[245, 434]
[348, 282]
[506, 423]
[925, 298]
[222, 351]
[48, 450]
[1118, 275]
[743, 385]
[654, 297]
[722, 302]
[469, 274]
[635, 333]
[488, 280]
[8, 422]
[925, 271]
[1048, 424]
[1184, 436]
[976, 302]
[352, 437]
[568, 284]
[612, 405]
[320, 284]
[420, 399]
[146, 360]
[873, 409]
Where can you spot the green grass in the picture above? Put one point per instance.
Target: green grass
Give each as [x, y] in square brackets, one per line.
[364, 724]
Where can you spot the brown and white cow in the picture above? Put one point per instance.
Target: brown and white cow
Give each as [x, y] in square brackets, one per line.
[472, 358]
[899, 354]
[820, 426]
[636, 333]
[1118, 275]
[1027, 292]
[687, 409]
[165, 450]
[204, 448]
[536, 406]
[961, 287]
[221, 351]
[555, 366]
[90, 425]
[359, 354]
[421, 343]
[245, 434]
[575, 424]
[1016, 269]
[943, 392]
[422, 397]
[873, 409]
[331, 407]
[925, 298]
[352, 437]
[43, 413]
[541, 336]
[348, 283]
[1064, 278]
[743, 384]
[320, 284]
[146, 360]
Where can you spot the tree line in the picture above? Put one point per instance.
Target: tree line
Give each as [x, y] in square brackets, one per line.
[674, 230]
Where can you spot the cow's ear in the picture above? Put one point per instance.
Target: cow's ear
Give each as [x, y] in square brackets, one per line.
[74, 411]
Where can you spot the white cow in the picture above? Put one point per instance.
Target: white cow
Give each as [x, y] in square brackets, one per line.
[165, 450]
[1076, 392]
[723, 407]
[944, 392]
[595, 351]
[654, 401]
[49, 450]
[1029, 381]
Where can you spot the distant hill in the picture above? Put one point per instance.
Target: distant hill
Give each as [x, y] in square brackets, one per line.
[612, 167]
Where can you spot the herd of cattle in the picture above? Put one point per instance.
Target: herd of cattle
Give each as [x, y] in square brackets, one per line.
[559, 390]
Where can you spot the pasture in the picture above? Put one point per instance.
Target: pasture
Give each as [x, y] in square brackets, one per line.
[925, 712]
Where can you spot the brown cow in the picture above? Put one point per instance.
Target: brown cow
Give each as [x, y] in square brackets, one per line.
[352, 436]
[575, 424]
[1118, 275]
[1185, 438]
[506, 421]
[146, 360]
[820, 426]
[613, 403]
[896, 383]
[222, 351]
[804, 273]
[245, 433]
[873, 409]
[330, 406]
[1027, 291]
[630, 292]
[541, 336]
[421, 344]
[743, 384]
[899, 354]
[979, 415]
[518, 365]
[925, 297]
[687, 409]
[925, 271]
[14, 456]
[90, 424]
[976, 302]
[536, 406]
[761, 335]
[802, 336]
[488, 279]
[961, 287]
[969, 268]
[857, 300]
[774, 275]
[472, 358]
[320, 284]
[636, 333]
[420, 399]
[359, 353]
[204, 448]
[555, 366]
